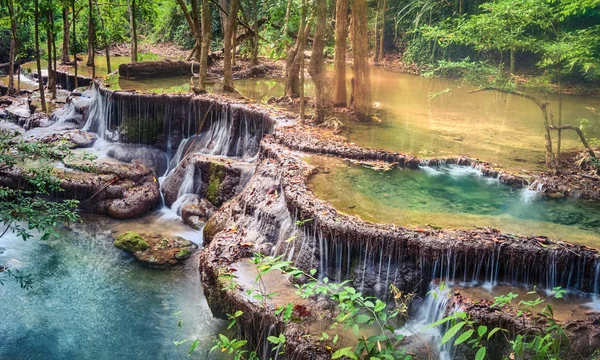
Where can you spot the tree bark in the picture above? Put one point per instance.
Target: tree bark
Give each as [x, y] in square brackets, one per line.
[11, 66]
[340, 95]
[286, 25]
[13, 49]
[382, 35]
[512, 61]
[224, 4]
[234, 43]
[316, 67]
[300, 55]
[50, 40]
[65, 45]
[206, 37]
[293, 64]
[91, 38]
[37, 54]
[74, 44]
[105, 36]
[228, 40]
[197, 30]
[133, 35]
[361, 90]
[376, 32]
[254, 60]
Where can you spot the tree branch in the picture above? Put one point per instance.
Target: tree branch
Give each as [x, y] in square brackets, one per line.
[579, 132]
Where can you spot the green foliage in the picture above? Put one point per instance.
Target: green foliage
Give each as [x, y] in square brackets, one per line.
[24, 210]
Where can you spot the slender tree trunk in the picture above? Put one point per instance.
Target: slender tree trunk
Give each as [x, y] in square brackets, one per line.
[54, 53]
[13, 49]
[301, 55]
[234, 43]
[37, 54]
[222, 16]
[51, 60]
[228, 40]
[65, 45]
[133, 35]
[382, 35]
[360, 46]
[11, 66]
[255, 38]
[197, 29]
[293, 64]
[286, 25]
[206, 38]
[91, 38]
[105, 35]
[316, 67]
[512, 61]
[376, 32]
[74, 45]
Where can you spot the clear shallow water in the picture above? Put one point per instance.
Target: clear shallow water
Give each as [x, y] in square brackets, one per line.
[92, 301]
[452, 197]
[503, 129]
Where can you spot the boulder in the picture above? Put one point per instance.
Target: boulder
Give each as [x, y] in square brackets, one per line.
[156, 250]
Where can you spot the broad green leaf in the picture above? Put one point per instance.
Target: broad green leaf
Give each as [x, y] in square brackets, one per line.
[480, 354]
[482, 330]
[347, 351]
[451, 332]
[193, 347]
[463, 337]
[362, 318]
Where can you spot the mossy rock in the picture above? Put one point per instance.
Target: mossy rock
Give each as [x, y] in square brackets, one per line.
[131, 242]
[217, 175]
[183, 253]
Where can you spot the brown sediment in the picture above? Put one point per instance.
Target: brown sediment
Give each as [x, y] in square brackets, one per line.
[579, 178]
[583, 335]
[311, 140]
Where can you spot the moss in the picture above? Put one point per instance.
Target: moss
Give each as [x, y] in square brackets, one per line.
[145, 130]
[163, 244]
[131, 242]
[183, 253]
[217, 175]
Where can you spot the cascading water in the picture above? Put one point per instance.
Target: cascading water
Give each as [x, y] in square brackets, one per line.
[433, 308]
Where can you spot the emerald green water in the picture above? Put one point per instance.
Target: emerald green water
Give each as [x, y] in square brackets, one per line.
[452, 197]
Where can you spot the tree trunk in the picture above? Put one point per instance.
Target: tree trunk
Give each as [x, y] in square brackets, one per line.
[65, 45]
[91, 38]
[340, 95]
[55, 62]
[133, 35]
[105, 35]
[286, 25]
[37, 54]
[74, 45]
[234, 43]
[376, 33]
[228, 40]
[13, 48]
[382, 35]
[512, 61]
[50, 40]
[11, 66]
[254, 60]
[222, 16]
[293, 64]
[196, 30]
[206, 37]
[300, 55]
[316, 67]
[361, 90]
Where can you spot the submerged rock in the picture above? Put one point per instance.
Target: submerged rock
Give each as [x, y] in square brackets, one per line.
[156, 250]
[196, 212]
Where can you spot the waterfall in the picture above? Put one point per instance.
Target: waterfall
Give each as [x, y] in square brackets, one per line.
[433, 308]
